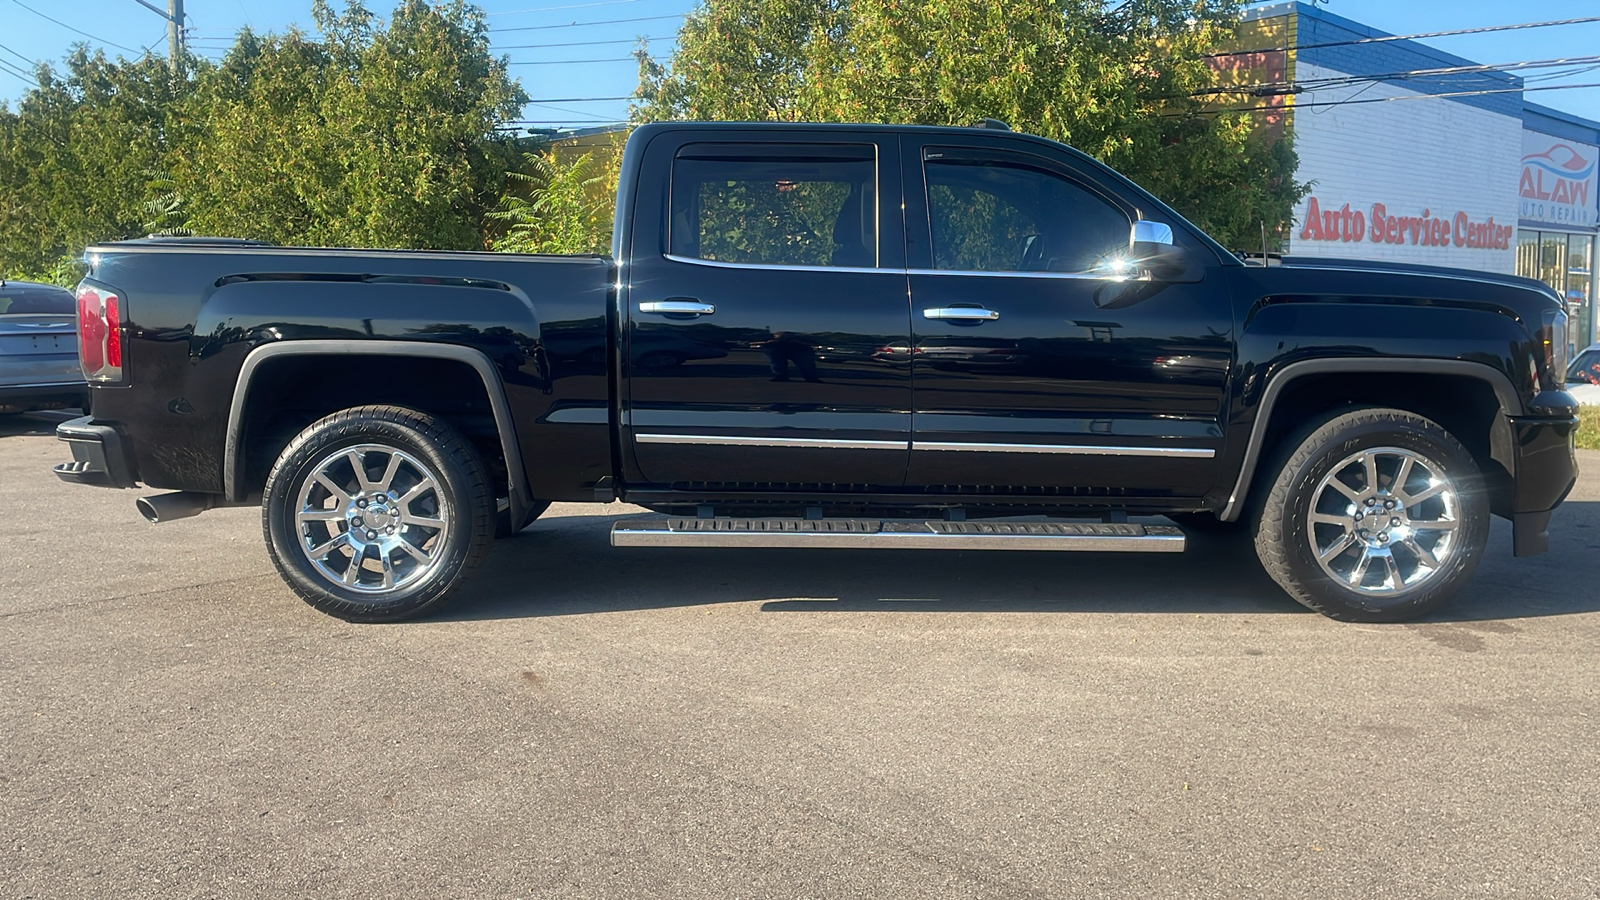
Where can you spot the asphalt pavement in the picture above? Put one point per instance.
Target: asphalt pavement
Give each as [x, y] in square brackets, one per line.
[589, 722]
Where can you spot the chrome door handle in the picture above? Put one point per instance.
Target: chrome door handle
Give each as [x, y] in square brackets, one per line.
[678, 307]
[960, 312]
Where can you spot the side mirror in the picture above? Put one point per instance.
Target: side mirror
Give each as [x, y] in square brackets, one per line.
[1151, 240]
[1154, 251]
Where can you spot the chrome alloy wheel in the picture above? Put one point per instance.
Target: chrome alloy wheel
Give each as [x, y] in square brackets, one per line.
[1384, 520]
[371, 518]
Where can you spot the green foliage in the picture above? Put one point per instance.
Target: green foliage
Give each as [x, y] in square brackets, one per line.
[1589, 428]
[370, 134]
[1114, 80]
[556, 207]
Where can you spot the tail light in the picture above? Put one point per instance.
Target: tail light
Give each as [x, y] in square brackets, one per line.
[100, 335]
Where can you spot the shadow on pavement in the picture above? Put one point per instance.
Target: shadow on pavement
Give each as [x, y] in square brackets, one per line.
[35, 423]
[566, 567]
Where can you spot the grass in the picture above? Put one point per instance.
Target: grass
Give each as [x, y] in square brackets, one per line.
[1589, 428]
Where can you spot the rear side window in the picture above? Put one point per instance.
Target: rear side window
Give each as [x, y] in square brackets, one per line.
[776, 205]
[35, 300]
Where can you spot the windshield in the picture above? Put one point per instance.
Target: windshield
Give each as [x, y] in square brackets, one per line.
[1586, 368]
[34, 299]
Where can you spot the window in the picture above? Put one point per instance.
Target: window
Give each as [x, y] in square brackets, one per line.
[775, 205]
[35, 299]
[989, 215]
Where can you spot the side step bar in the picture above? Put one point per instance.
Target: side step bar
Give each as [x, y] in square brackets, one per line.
[996, 534]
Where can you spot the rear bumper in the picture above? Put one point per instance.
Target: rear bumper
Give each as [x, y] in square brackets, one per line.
[98, 455]
[1546, 471]
[22, 397]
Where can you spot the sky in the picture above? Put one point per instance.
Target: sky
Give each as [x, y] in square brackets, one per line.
[123, 27]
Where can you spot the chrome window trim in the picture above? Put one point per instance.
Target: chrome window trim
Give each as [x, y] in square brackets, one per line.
[1059, 276]
[1070, 449]
[735, 440]
[775, 267]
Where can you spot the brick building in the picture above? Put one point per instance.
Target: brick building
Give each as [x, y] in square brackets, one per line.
[1409, 160]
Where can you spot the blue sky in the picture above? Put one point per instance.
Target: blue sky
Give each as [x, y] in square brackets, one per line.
[24, 35]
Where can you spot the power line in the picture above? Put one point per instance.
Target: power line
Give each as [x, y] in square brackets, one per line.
[579, 99]
[30, 62]
[71, 29]
[1515, 90]
[563, 62]
[518, 12]
[1406, 37]
[579, 24]
[581, 43]
[1278, 88]
[10, 69]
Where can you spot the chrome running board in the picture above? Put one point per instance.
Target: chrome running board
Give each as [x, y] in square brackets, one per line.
[991, 534]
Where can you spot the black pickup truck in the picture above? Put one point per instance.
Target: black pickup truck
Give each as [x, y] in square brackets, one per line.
[835, 336]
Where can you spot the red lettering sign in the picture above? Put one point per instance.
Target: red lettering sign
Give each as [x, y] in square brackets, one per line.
[1378, 226]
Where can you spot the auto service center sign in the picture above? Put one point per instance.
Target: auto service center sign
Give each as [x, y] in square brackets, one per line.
[1559, 183]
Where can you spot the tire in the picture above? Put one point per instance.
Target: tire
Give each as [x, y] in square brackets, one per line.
[432, 496]
[502, 520]
[1407, 545]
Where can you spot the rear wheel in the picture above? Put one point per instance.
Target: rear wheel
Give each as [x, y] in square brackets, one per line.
[1379, 515]
[375, 514]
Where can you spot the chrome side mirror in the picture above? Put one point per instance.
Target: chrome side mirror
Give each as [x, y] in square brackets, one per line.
[1148, 232]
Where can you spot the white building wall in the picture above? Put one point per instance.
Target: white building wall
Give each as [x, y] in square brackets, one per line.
[1442, 170]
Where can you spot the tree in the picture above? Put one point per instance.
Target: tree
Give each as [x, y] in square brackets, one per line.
[377, 135]
[562, 207]
[1116, 81]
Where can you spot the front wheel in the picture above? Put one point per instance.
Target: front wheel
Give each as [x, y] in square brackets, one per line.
[1379, 515]
[374, 514]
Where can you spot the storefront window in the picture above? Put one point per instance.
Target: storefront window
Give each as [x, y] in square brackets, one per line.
[1566, 263]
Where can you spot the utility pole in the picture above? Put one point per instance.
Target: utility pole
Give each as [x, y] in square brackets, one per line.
[174, 17]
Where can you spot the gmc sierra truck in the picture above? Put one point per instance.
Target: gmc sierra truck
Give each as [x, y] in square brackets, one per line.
[835, 336]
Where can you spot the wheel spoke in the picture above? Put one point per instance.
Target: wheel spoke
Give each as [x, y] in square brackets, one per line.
[334, 489]
[1349, 492]
[421, 487]
[1398, 487]
[1369, 465]
[1425, 555]
[388, 472]
[1435, 525]
[1359, 573]
[352, 570]
[416, 553]
[1394, 579]
[424, 521]
[1330, 519]
[356, 456]
[1337, 547]
[1432, 490]
[388, 570]
[320, 515]
[322, 550]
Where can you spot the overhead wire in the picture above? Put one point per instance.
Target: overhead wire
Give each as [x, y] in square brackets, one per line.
[1312, 84]
[1404, 37]
[72, 29]
[1440, 96]
[518, 12]
[580, 24]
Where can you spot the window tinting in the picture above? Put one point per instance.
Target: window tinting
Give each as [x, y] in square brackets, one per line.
[996, 216]
[19, 301]
[779, 208]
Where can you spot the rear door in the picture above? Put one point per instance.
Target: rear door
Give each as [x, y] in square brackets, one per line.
[1042, 363]
[38, 336]
[767, 319]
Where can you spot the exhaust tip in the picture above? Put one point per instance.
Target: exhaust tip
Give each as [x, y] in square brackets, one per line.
[177, 505]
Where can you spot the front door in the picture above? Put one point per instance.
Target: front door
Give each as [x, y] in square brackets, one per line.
[768, 323]
[1042, 361]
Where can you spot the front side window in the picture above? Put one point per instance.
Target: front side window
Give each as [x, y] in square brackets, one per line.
[787, 206]
[1002, 216]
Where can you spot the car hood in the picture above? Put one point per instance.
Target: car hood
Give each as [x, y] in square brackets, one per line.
[1370, 266]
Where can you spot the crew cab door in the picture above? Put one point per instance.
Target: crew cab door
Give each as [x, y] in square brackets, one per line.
[1042, 361]
[767, 330]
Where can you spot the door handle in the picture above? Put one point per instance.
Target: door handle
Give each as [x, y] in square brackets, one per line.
[960, 312]
[677, 307]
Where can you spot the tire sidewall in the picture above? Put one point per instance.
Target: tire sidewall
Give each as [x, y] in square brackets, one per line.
[281, 502]
[1433, 444]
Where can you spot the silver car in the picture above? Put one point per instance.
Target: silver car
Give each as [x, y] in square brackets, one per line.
[39, 348]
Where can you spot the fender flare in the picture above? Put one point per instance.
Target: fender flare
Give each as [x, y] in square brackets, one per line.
[233, 473]
[1510, 402]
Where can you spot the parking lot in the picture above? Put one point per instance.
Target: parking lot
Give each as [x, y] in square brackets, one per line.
[590, 722]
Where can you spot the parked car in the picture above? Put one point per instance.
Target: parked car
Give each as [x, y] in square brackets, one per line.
[1364, 420]
[1583, 377]
[38, 349]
